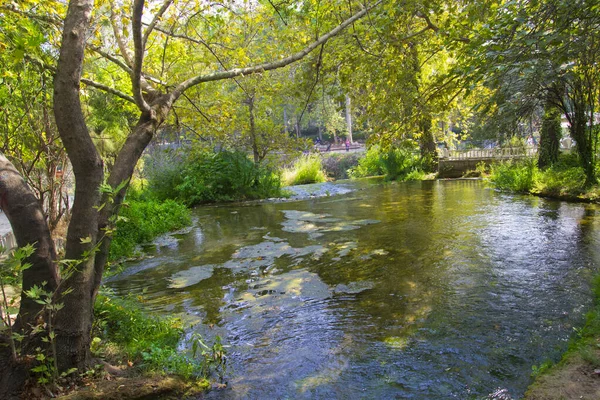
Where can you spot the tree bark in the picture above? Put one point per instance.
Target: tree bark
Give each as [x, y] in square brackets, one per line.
[29, 226]
[74, 322]
[349, 117]
[427, 144]
[549, 136]
[255, 152]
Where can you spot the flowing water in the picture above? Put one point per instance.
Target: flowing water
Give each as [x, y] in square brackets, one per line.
[424, 290]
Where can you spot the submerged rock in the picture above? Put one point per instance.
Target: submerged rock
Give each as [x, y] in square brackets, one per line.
[191, 276]
[353, 287]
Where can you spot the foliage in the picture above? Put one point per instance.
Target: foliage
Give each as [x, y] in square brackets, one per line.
[10, 273]
[563, 178]
[144, 219]
[336, 165]
[152, 342]
[516, 176]
[194, 176]
[559, 181]
[396, 163]
[306, 169]
[224, 176]
[163, 171]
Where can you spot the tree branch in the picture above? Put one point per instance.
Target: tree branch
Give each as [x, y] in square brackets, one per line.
[277, 11]
[119, 39]
[138, 56]
[108, 89]
[183, 86]
[158, 15]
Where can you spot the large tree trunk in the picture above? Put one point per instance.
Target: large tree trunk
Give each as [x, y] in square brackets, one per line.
[74, 321]
[549, 136]
[427, 144]
[29, 226]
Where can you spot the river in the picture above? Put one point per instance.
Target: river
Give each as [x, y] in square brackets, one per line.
[420, 290]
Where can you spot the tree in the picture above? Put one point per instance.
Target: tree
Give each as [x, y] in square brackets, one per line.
[89, 231]
[543, 55]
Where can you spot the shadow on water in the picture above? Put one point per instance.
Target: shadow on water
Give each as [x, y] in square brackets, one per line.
[416, 290]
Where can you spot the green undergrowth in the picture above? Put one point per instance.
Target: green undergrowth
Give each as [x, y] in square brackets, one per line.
[336, 165]
[395, 163]
[141, 220]
[124, 334]
[306, 169]
[195, 176]
[564, 179]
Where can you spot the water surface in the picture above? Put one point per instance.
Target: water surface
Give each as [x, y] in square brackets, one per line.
[419, 290]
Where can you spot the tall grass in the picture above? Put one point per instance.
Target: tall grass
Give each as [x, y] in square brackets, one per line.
[515, 176]
[306, 169]
[393, 162]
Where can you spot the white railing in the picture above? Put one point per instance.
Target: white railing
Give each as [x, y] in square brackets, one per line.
[8, 241]
[497, 153]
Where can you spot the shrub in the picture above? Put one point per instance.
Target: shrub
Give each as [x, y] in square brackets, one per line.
[197, 176]
[395, 163]
[143, 220]
[558, 181]
[163, 170]
[371, 164]
[306, 169]
[336, 165]
[514, 176]
[225, 176]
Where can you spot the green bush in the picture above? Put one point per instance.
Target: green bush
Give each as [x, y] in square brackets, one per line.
[371, 164]
[143, 220]
[336, 165]
[203, 177]
[557, 181]
[123, 331]
[306, 169]
[514, 176]
[395, 163]
[163, 170]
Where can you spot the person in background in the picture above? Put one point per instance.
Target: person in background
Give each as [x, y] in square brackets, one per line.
[347, 144]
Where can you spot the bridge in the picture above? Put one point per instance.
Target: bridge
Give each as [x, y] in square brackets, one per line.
[454, 163]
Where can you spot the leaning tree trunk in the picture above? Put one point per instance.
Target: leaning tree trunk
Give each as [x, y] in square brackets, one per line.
[29, 226]
[549, 136]
[121, 172]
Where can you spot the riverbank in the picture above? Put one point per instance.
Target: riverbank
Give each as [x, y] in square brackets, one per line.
[577, 375]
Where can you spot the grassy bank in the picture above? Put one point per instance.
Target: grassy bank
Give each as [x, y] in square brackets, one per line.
[577, 375]
[565, 180]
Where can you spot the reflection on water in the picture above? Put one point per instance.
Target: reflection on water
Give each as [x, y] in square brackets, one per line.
[418, 290]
